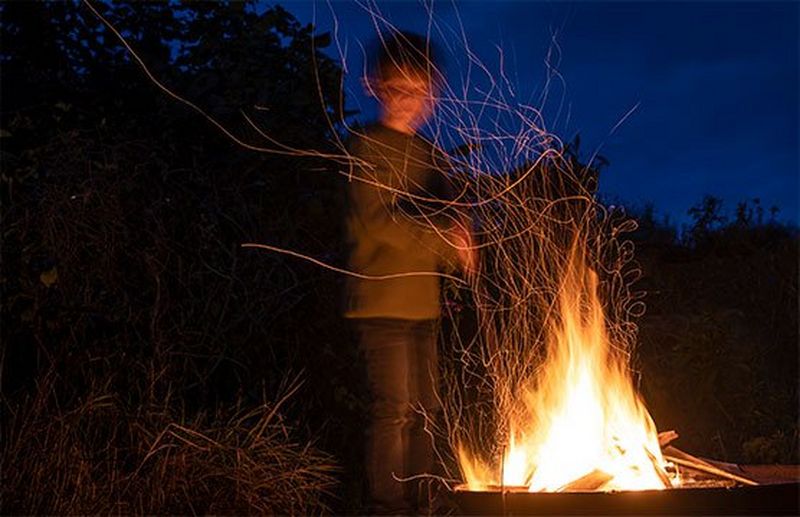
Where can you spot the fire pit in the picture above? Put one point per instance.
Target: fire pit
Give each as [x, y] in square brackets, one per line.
[766, 499]
[574, 437]
[717, 489]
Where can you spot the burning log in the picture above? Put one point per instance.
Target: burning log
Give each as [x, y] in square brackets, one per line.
[662, 474]
[594, 480]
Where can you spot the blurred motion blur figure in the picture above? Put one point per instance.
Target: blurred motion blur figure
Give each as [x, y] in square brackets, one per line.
[391, 231]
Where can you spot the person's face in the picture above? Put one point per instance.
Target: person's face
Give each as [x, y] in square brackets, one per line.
[406, 98]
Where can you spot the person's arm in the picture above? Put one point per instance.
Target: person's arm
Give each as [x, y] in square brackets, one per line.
[459, 226]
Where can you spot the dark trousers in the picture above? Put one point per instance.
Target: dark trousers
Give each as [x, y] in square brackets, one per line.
[402, 370]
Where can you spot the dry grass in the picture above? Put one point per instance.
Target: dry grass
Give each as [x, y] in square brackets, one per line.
[131, 328]
[98, 456]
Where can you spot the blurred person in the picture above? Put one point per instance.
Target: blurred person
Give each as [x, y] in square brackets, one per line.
[397, 320]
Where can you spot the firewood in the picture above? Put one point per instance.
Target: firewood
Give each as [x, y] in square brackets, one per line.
[594, 480]
[666, 437]
[679, 457]
[662, 474]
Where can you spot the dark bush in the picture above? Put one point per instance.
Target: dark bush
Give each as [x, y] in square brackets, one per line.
[719, 341]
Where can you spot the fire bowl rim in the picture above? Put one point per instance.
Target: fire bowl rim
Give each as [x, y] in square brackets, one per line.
[778, 498]
[461, 488]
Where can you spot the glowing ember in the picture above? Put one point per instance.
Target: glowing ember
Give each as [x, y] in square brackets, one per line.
[578, 424]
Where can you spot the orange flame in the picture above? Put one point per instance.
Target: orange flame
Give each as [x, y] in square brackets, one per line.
[580, 414]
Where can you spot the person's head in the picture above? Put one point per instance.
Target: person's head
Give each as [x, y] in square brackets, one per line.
[403, 77]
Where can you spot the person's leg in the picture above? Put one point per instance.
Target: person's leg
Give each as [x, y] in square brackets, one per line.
[385, 344]
[424, 384]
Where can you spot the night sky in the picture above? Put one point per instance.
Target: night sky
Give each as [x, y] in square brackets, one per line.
[714, 87]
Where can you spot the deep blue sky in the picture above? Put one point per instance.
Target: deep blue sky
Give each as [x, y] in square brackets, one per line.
[716, 86]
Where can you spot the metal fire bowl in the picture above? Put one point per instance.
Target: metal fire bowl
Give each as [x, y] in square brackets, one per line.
[765, 499]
